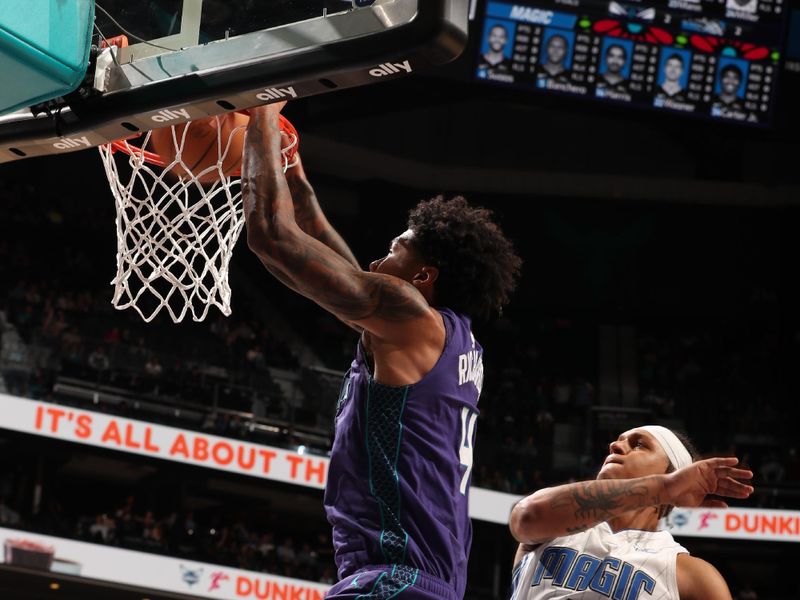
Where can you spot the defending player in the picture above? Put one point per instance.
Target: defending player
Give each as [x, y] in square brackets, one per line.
[600, 539]
[400, 466]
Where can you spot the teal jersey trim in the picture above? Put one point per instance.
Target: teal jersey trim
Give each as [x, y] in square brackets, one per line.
[391, 585]
[384, 432]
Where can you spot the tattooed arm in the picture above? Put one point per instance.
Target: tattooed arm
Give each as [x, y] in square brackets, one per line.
[309, 216]
[566, 509]
[387, 307]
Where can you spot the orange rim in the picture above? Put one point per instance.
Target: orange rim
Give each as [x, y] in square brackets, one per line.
[155, 159]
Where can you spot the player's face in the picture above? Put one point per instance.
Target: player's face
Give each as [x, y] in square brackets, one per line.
[615, 59]
[730, 82]
[673, 70]
[401, 261]
[635, 453]
[556, 50]
[497, 39]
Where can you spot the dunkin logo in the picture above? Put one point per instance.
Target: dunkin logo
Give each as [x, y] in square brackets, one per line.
[784, 525]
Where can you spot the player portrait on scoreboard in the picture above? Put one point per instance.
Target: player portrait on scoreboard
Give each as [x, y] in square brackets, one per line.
[615, 67]
[730, 86]
[673, 74]
[555, 57]
[497, 49]
[748, 6]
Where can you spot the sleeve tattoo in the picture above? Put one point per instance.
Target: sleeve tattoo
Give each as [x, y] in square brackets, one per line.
[596, 501]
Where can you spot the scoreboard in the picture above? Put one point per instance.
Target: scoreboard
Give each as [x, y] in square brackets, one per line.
[713, 58]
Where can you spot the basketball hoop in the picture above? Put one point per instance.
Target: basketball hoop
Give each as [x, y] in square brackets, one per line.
[175, 235]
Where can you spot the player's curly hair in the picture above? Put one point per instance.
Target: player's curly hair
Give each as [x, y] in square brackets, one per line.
[478, 267]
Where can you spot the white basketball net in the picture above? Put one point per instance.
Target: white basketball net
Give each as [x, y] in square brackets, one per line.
[175, 237]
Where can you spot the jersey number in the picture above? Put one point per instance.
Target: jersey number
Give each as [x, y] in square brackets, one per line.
[468, 419]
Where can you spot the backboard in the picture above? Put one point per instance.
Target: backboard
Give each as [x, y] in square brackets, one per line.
[189, 59]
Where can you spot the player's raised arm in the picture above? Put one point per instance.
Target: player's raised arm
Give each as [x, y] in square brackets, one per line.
[382, 304]
[574, 507]
[309, 215]
[567, 509]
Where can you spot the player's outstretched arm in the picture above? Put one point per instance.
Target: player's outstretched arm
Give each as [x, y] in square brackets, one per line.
[567, 509]
[385, 306]
[574, 507]
[309, 215]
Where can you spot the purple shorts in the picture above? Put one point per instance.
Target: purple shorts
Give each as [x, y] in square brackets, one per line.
[381, 582]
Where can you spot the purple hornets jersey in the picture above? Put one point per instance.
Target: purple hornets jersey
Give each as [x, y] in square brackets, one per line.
[398, 480]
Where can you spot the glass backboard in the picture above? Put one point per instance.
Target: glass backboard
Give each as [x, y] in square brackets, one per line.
[189, 59]
[158, 26]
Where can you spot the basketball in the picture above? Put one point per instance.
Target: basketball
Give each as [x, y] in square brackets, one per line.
[205, 141]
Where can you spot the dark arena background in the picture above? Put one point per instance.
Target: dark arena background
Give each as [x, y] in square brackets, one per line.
[660, 245]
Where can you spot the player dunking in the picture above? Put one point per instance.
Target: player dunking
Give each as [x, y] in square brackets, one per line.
[401, 461]
[600, 539]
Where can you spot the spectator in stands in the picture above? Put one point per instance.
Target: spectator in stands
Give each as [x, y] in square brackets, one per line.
[148, 522]
[103, 529]
[771, 469]
[536, 480]
[242, 334]
[500, 482]
[255, 357]
[209, 421]
[188, 524]
[247, 558]
[286, 551]
[126, 510]
[99, 361]
[154, 535]
[528, 453]
[71, 345]
[519, 484]
[54, 322]
[236, 427]
[32, 295]
[266, 545]
[153, 366]
[306, 556]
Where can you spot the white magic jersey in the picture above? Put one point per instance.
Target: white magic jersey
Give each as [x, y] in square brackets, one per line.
[598, 564]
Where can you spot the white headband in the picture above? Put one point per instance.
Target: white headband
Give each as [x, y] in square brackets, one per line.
[676, 452]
